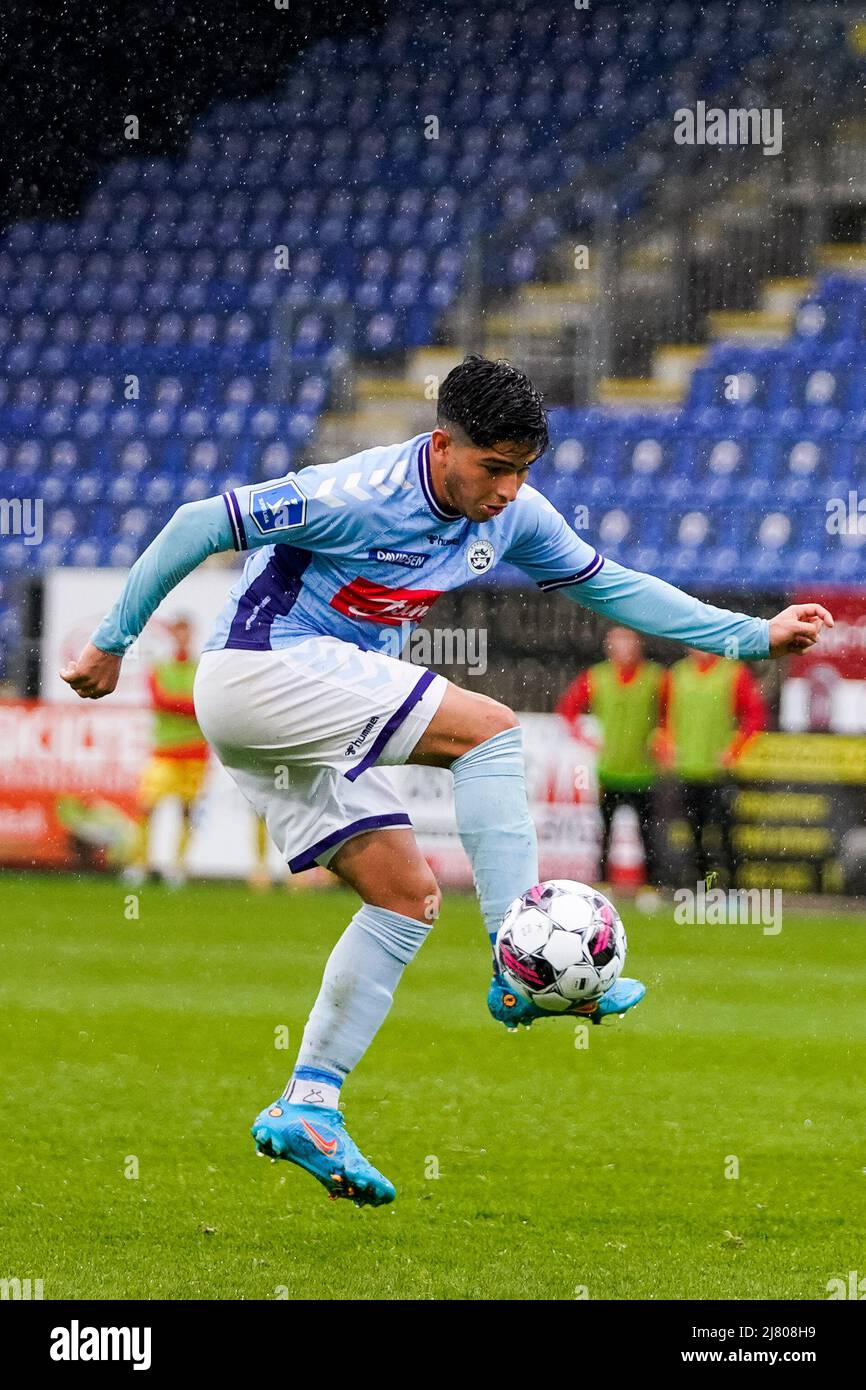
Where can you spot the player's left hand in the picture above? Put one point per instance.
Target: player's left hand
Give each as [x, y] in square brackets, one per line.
[797, 628]
[94, 674]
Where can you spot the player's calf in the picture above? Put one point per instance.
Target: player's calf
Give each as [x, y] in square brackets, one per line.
[480, 741]
[305, 1126]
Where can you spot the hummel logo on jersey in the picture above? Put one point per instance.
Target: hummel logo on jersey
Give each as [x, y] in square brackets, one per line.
[412, 559]
[442, 540]
[325, 1146]
[363, 599]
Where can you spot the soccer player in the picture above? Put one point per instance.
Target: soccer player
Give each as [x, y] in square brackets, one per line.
[178, 764]
[622, 692]
[711, 708]
[305, 709]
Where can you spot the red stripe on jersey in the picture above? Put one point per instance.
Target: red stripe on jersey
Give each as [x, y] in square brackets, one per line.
[377, 603]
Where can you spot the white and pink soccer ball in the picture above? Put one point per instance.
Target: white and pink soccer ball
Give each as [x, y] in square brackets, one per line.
[561, 943]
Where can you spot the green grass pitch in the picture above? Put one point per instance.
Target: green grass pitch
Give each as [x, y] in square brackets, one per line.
[563, 1170]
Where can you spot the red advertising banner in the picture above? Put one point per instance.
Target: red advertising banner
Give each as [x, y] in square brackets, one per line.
[69, 776]
[843, 646]
[68, 781]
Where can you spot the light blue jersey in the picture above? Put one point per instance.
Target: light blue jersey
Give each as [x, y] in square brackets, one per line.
[359, 548]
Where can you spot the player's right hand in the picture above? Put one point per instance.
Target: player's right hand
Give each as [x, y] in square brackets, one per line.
[94, 674]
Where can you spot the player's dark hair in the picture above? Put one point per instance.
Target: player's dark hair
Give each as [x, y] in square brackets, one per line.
[493, 403]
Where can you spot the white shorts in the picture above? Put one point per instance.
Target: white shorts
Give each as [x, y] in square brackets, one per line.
[305, 732]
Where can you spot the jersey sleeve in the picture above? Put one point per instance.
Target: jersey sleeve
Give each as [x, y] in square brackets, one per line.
[551, 552]
[315, 512]
[196, 530]
[319, 508]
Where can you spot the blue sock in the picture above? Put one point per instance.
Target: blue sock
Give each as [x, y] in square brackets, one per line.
[357, 990]
[494, 823]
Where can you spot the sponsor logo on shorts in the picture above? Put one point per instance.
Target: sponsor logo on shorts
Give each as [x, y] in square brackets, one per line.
[412, 559]
[363, 735]
[480, 556]
[362, 598]
[277, 506]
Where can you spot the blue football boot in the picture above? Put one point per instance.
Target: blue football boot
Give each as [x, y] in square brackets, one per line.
[510, 1008]
[314, 1137]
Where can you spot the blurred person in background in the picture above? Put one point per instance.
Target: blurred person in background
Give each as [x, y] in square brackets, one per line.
[710, 707]
[623, 694]
[178, 763]
[260, 875]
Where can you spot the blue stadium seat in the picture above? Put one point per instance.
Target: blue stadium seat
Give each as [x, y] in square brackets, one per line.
[170, 274]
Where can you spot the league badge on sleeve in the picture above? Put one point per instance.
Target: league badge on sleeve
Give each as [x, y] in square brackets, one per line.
[480, 556]
[277, 506]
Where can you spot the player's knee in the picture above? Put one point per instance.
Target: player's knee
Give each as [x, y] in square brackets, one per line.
[484, 721]
[428, 897]
[492, 718]
[418, 896]
[432, 903]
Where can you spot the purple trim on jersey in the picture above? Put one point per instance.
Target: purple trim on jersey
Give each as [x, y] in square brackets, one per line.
[391, 726]
[235, 506]
[580, 577]
[272, 594]
[443, 513]
[236, 540]
[307, 858]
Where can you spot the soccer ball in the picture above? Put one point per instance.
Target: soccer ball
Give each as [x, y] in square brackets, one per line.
[561, 944]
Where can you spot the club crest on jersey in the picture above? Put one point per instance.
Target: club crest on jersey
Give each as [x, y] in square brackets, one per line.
[412, 559]
[277, 506]
[480, 556]
[362, 598]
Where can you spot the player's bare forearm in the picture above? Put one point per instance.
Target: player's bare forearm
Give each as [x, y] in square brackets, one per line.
[94, 674]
